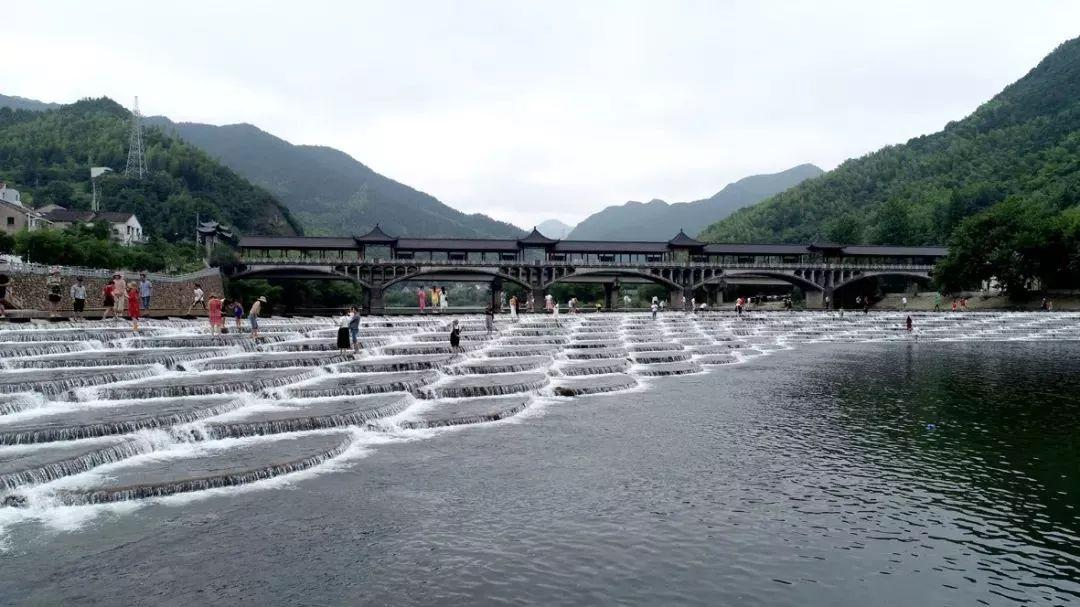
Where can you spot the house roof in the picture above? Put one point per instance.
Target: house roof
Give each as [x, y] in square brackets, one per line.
[113, 216]
[755, 249]
[890, 251]
[605, 246]
[67, 215]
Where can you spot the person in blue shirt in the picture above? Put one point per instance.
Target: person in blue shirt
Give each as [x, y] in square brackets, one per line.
[146, 289]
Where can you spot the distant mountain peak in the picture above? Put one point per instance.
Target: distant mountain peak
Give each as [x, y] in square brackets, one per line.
[658, 220]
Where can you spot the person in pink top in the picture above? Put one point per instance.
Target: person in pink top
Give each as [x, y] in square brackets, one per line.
[421, 296]
[214, 308]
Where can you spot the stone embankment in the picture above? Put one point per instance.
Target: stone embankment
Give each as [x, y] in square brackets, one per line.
[27, 289]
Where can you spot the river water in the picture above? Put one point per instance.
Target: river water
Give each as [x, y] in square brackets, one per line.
[792, 460]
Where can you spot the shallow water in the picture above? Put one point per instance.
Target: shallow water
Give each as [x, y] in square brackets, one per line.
[882, 469]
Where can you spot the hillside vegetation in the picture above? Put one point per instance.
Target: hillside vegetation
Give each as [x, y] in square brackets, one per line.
[47, 155]
[1001, 187]
[329, 191]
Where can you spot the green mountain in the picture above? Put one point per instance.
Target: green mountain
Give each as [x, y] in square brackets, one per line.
[47, 155]
[1023, 143]
[22, 103]
[658, 220]
[329, 191]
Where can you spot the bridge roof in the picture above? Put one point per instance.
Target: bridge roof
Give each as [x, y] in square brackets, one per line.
[297, 242]
[888, 251]
[456, 244]
[607, 246]
[756, 249]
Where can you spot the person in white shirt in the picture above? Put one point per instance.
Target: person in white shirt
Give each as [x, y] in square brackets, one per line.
[197, 298]
[78, 298]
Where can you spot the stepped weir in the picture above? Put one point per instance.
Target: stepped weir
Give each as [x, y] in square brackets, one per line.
[90, 414]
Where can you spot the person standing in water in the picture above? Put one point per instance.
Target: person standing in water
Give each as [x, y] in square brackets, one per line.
[654, 308]
[120, 292]
[354, 329]
[937, 302]
[435, 296]
[513, 307]
[133, 305]
[146, 289]
[216, 321]
[197, 298]
[344, 341]
[908, 323]
[903, 303]
[55, 286]
[107, 300]
[253, 316]
[238, 315]
[421, 298]
[489, 318]
[455, 338]
[78, 298]
[444, 302]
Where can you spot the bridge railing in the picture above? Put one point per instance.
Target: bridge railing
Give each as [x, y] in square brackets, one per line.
[389, 263]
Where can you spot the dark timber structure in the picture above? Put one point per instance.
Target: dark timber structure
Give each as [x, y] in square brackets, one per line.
[685, 266]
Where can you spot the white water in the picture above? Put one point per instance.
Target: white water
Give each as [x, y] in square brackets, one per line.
[640, 345]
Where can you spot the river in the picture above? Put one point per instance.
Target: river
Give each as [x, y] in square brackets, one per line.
[905, 472]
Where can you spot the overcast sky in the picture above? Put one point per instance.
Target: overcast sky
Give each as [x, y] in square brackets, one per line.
[547, 109]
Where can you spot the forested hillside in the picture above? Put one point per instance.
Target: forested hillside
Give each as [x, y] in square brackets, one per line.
[329, 191]
[1001, 187]
[47, 156]
[658, 220]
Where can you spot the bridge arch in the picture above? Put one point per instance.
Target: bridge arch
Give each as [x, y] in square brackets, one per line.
[615, 273]
[300, 272]
[925, 278]
[797, 281]
[491, 274]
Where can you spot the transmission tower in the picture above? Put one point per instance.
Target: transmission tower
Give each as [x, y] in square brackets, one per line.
[136, 162]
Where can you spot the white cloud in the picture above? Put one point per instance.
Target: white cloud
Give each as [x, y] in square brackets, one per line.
[530, 110]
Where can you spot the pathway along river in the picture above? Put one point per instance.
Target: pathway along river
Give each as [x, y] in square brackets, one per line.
[780, 459]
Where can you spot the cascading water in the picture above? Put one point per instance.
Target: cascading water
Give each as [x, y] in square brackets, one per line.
[236, 410]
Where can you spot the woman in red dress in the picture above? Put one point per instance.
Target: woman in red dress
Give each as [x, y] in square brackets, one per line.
[133, 305]
[216, 322]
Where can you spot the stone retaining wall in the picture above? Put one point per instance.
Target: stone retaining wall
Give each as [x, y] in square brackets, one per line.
[29, 291]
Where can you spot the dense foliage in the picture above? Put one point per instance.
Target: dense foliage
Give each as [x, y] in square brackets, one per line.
[89, 246]
[329, 191]
[47, 155]
[1014, 161]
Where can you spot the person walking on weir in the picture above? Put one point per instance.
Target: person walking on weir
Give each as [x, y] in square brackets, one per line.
[253, 316]
[78, 298]
[344, 341]
[146, 289]
[5, 284]
[54, 284]
[107, 300]
[197, 298]
[455, 338]
[444, 302]
[120, 295]
[354, 329]
[216, 321]
[421, 298]
[133, 305]
[238, 315]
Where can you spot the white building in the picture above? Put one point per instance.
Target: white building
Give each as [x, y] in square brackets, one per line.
[124, 227]
[15, 217]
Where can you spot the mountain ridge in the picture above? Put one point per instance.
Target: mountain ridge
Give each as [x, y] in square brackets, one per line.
[657, 219]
